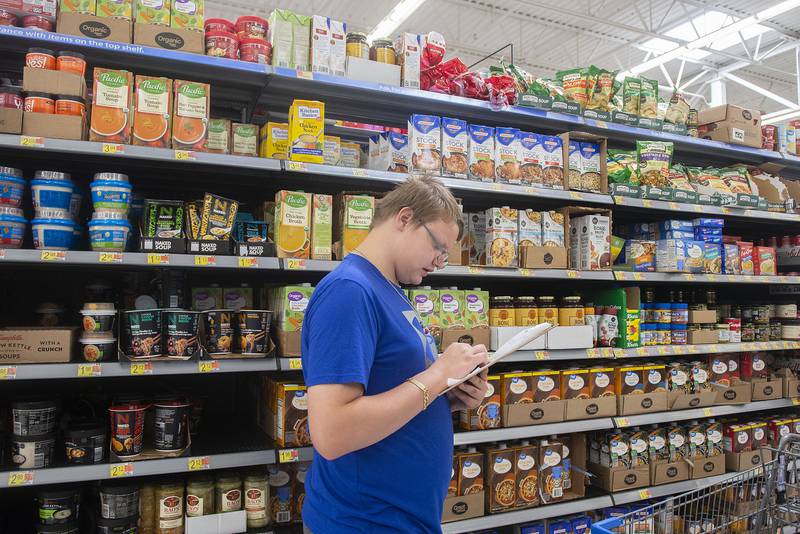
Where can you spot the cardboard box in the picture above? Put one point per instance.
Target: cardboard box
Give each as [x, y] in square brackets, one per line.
[619, 478]
[744, 461]
[54, 82]
[590, 408]
[371, 71]
[731, 124]
[54, 126]
[36, 345]
[737, 393]
[83, 25]
[536, 413]
[666, 473]
[678, 400]
[501, 334]
[603, 143]
[707, 467]
[767, 389]
[11, 120]
[570, 337]
[158, 36]
[478, 335]
[641, 403]
[703, 317]
[466, 507]
[702, 337]
[543, 257]
[791, 387]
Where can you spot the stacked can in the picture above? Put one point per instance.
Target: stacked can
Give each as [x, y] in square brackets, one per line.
[663, 323]
[56, 203]
[12, 221]
[111, 198]
[245, 40]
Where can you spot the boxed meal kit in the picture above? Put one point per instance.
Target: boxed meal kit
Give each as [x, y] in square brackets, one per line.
[291, 420]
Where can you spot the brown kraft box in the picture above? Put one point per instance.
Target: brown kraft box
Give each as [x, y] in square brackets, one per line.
[680, 400]
[526, 459]
[551, 471]
[84, 25]
[54, 126]
[707, 467]
[501, 489]
[738, 392]
[767, 389]
[11, 120]
[668, 472]
[533, 257]
[465, 507]
[641, 403]
[743, 461]
[54, 82]
[182, 39]
[620, 478]
[288, 343]
[36, 345]
[479, 335]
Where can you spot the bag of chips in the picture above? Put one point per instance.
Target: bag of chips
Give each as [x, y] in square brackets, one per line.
[653, 160]
[678, 110]
[648, 98]
[621, 165]
[631, 88]
[678, 179]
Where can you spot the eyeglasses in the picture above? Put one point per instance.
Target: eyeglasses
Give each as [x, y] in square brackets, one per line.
[443, 257]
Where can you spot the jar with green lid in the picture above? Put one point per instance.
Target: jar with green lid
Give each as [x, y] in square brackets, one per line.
[525, 311]
[570, 313]
[748, 332]
[200, 496]
[357, 45]
[501, 311]
[228, 492]
[256, 497]
[548, 311]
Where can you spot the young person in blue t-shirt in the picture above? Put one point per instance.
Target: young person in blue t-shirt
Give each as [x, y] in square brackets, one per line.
[383, 438]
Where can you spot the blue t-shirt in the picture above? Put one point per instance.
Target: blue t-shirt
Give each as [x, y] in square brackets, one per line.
[360, 328]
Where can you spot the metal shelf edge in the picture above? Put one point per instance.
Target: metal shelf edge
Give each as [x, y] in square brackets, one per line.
[532, 431]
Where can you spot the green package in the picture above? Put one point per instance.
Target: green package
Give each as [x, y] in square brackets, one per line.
[603, 90]
[576, 84]
[653, 160]
[621, 166]
[678, 110]
[648, 98]
[631, 87]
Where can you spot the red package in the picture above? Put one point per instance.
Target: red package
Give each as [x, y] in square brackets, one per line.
[737, 438]
[439, 78]
[777, 428]
[433, 49]
[763, 261]
[758, 433]
[502, 90]
[733, 367]
[753, 365]
[768, 134]
[719, 371]
[470, 85]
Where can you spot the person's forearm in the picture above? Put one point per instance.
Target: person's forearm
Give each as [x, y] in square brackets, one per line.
[368, 419]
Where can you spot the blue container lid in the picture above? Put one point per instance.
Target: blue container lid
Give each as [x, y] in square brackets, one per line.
[647, 326]
[15, 179]
[59, 222]
[678, 326]
[680, 306]
[59, 183]
[12, 218]
[664, 305]
[111, 183]
[109, 222]
[647, 305]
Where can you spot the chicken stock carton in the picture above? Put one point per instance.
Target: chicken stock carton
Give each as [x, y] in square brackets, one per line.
[480, 144]
[454, 147]
[507, 155]
[425, 143]
[275, 140]
[281, 39]
[530, 161]
[322, 227]
[398, 152]
[292, 224]
[351, 155]
[320, 44]
[552, 151]
[476, 237]
[378, 152]
[337, 32]
[306, 131]
[409, 53]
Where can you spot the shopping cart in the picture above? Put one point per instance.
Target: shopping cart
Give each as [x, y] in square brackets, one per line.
[763, 500]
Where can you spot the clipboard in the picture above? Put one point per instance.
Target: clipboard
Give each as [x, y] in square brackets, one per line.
[509, 347]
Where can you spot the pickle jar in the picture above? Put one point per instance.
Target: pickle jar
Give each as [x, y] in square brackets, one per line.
[525, 311]
[382, 51]
[570, 313]
[548, 311]
[357, 45]
[228, 493]
[501, 311]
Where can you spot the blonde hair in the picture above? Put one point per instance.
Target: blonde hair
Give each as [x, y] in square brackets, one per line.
[427, 197]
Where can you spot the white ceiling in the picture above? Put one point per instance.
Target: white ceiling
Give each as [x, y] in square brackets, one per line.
[550, 35]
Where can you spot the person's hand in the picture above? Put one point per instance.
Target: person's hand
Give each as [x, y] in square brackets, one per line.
[470, 394]
[457, 361]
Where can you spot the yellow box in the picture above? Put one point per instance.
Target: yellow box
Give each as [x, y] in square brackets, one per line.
[350, 155]
[88, 7]
[293, 224]
[307, 131]
[275, 140]
[355, 218]
[153, 12]
[322, 227]
[188, 14]
[332, 151]
[116, 9]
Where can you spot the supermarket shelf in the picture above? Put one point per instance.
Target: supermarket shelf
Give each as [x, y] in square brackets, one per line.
[683, 278]
[682, 350]
[705, 211]
[118, 369]
[290, 364]
[664, 490]
[500, 272]
[534, 514]
[699, 413]
[532, 431]
[318, 266]
[60, 475]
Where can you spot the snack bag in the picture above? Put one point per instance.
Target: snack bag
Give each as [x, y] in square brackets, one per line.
[631, 88]
[621, 165]
[652, 161]
[648, 98]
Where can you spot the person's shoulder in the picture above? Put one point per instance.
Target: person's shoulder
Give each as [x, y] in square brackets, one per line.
[347, 277]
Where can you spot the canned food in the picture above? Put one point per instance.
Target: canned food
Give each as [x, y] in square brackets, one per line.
[748, 332]
[70, 105]
[786, 311]
[762, 332]
[40, 58]
[39, 103]
[71, 62]
[251, 27]
[219, 25]
[222, 44]
[255, 50]
[775, 331]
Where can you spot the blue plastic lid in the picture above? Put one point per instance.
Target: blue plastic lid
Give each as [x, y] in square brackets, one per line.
[679, 326]
[680, 306]
[665, 305]
[111, 183]
[59, 222]
[648, 326]
[109, 222]
[59, 183]
[647, 305]
[9, 178]
[13, 218]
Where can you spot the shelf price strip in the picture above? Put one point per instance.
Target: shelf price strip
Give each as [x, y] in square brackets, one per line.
[205, 261]
[120, 470]
[8, 372]
[53, 255]
[295, 364]
[185, 155]
[110, 257]
[27, 140]
[89, 370]
[287, 456]
[158, 259]
[21, 478]
[141, 368]
[248, 262]
[112, 148]
[204, 366]
[294, 264]
[199, 463]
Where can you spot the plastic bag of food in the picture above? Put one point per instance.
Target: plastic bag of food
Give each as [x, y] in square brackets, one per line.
[708, 182]
[631, 87]
[603, 89]
[621, 166]
[502, 90]
[678, 179]
[653, 160]
[678, 110]
[576, 84]
[607, 325]
[433, 50]
[736, 180]
[648, 98]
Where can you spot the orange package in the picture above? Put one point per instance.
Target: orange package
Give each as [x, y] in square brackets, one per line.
[112, 98]
[152, 117]
[190, 116]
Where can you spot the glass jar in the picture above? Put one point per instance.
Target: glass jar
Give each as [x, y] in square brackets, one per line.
[501, 311]
[228, 493]
[679, 334]
[790, 329]
[256, 497]
[762, 332]
[647, 312]
[169, 499]
[711, 298]
[647, 335]
[724, 332]
[748, 332]
[525, 312]
[664, 334]
[761, 314]
[775, 331]
[382, 51]
[747, 314]
[680, 313]
[548, 311]
[649, 295]
[663, 313]
[357, 45]
[200, 496]
[570, 313]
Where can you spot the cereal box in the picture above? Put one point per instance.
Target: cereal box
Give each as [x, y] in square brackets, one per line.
[552, 150]
[454, 147]
[425, 143]
[763, 261]
[409, 51]
[192, 103]
[507, 155]
[153, 12]
[292, 224]
[531, 166]
[476, 308]
[115, 9]
[712, 258]
[152, 117]
[244, 139]
[321, 227]
[552, 229]
[746, 257]
[354, 220]
[332, 150]
[530, 228]
[350, 155]
[398, 152]
[306, 131]
[452, 308]
[188, 14]
[480, 146]
[501, 237]
[476, 238]
[275, 140]
[320, 44]
[112, 106]
[219, 136]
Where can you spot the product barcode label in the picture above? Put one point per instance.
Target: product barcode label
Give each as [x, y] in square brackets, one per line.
[283, 517]
[557, 493]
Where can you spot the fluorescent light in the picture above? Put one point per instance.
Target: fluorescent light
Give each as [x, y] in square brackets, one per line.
[397, 16]
[779, 116]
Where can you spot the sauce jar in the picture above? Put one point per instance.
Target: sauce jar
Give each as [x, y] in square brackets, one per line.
[37, 21]
[548, 311]
[501, 311]
[662, 312]
[256, 497]
[70, 105]
[724, 332]
[382, 51]
[11, 97]
[679, 313]
[39, 103]
[71, 62]
[40, 58]
[525, 311]
[169, 504]
[679, 334]
[222, 44]
[7, 18]
[748, 332]
[228, 493]
[200, 496]
[570, 313]
[762, 332]
[647, 335]
[255, 51]
[357, 45]
[790, 329]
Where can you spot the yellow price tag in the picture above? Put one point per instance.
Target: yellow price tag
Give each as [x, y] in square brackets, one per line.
[248, 263]
[295, 364]
[525, 272]
[360, 172]
[642, 351]
[497, 187]
[305, 74]
[110, 257]
[711, 277]
[27, 140]
[647, 203]
[295, 264]
[474, 270]
[707, 412]
[674, 206]
[530, 190]
[689, 277]
[89, 369]
[662, 351]
[619, 200]
[574, 195]
[288, 456]
[54, 255]
[121, 470]
[571, 273]
[621, 275]
[713, 348]
[678, 350]
[697, 208]
[726, 211]
[607, 352]
[158, 259]
[783, 279]
[638, 276]
[8, 372]
[20, 478]
[601, 124]
[541, 355]
[205, 261]
[592, 353]
[199, 463]
[645, 494]
[184, 155]
[692, 349]
[795, 401]
[295, 166]
[205, 366]
[112, 148]
[141, 368]
[622, 421]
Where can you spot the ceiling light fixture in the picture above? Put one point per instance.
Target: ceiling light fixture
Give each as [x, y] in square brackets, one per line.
[397, 16]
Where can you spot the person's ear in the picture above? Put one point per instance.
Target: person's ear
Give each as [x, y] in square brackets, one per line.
[404, 217]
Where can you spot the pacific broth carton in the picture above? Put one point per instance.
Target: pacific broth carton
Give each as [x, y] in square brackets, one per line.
[152, 117]
[112, 102]
[292, 224]
[322, 227]
[353, 220]
[190, 117]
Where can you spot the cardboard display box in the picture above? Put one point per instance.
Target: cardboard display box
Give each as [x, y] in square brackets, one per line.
[570, 337]
[577, 409]
[181, 39]
[466, 507]
[543, 257]
[707, 467]
[678, 400]
[54, 126]
[703, 317]
[536, 413]
[638, 404]
[737, 393]
[36, 345]
[620, 479]
[668, 472]
[11, 120]
[288, 344]
[743, 461]
[603, 142]
[54, 82]
[578, 454]
[479, 335]
[366, 70]
[764, 389]
[501, 334]
[791, 385]
[731, 124]
[84, 25]
[702, 337]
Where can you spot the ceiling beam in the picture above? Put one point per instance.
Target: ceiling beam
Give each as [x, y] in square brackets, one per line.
[760, 90]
